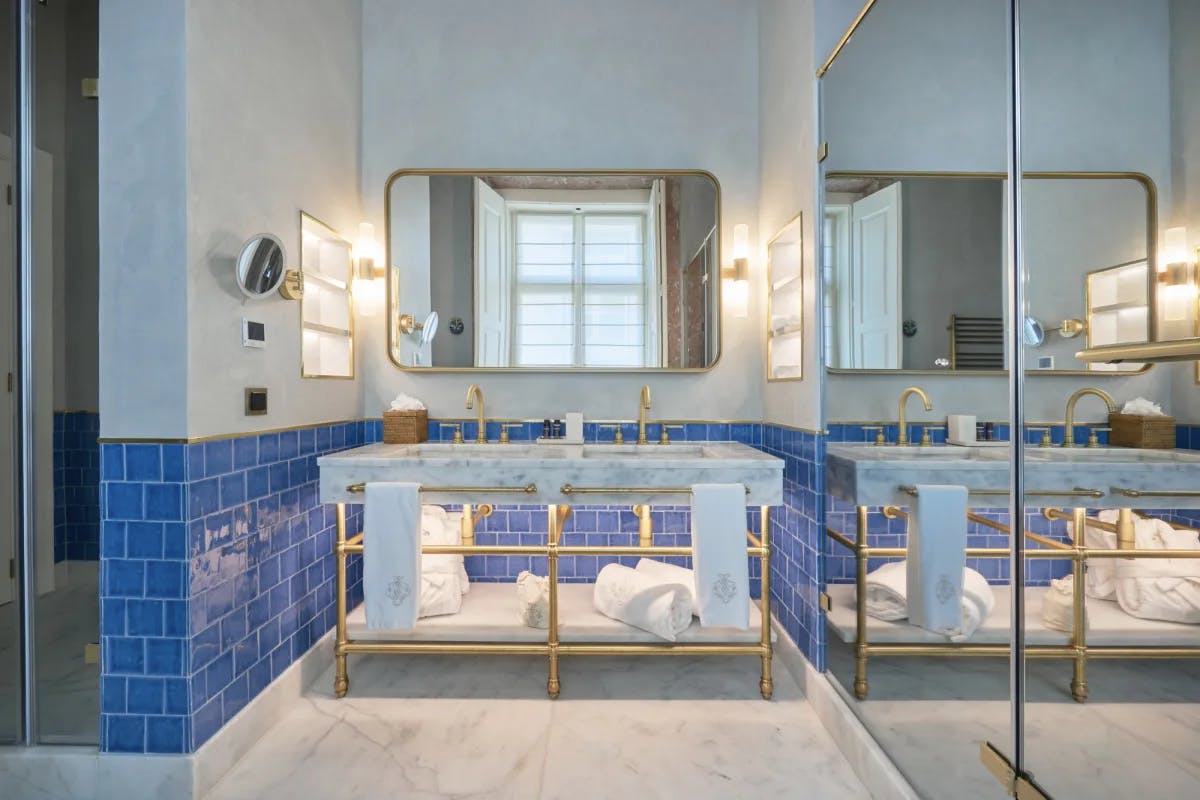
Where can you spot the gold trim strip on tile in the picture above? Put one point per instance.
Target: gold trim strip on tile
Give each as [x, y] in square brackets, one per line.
[219, 436]
[531, 488]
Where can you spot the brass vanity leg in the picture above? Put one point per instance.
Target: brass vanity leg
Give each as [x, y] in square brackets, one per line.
[1079, 687]
[645, 525]
[553, 686]
[766, 684]
[467, 526]
[341, 682]
[860, 633]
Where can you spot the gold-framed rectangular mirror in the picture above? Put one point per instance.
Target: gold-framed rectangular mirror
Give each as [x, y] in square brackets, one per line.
[914, 261]
[553, 270]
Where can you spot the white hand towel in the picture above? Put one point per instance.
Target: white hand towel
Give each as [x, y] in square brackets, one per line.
[664, 609]
[722, 587]
[1058, 605]
[440, 594]
[937, 541]
[392, 555]
[670, 573]
[887, 596]
[533, 595]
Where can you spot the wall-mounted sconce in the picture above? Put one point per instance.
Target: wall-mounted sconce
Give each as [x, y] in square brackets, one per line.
[1177, 276]
[737, 276]
[368, 272]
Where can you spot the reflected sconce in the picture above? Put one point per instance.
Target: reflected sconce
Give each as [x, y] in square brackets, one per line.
[368, 271]
[737, 276]
[1177, 276]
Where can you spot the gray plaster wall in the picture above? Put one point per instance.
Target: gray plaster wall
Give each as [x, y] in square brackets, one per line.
[452, 266]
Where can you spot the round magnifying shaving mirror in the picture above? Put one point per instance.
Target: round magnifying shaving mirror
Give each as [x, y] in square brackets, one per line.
[1034, 333]
[260, 267]
[425, 330]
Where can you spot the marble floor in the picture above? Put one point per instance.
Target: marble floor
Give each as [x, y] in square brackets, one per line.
[68, 619]
[479, 727]
[1137, 735]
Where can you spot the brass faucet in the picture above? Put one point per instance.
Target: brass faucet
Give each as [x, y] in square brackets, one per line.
[902, 439]
[643, 407]
[474, 391]
[1069, 427]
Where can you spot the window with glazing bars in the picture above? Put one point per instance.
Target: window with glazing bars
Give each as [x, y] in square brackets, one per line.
[583, 289]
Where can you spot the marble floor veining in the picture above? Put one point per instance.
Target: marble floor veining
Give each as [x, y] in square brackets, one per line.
[1138, 735]
[480, 727]
[67, 619]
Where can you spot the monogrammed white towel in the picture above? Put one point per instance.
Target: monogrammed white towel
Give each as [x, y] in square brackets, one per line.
[719, 554]
[392, 555]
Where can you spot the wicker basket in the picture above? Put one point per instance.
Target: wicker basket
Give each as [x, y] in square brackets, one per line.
[405, 427]
[1130, 430]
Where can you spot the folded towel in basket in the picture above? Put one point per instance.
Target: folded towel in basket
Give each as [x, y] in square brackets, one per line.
[1058, 605]
[887, 598]
[664, 609]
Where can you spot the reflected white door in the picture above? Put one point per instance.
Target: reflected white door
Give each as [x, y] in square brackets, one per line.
[492, 281]
[875, 266]
[8, 512]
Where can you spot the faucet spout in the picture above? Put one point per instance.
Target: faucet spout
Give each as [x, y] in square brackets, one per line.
[643, 407]
[902, 439]
[474, 392]
[1069, 425]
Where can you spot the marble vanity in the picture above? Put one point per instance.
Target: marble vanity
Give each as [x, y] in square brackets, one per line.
[543, 474]
[867, 475]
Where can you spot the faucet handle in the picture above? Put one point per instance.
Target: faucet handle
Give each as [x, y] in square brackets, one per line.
[665, 438]
[926, 440]
[458, 437]
[1094, 440]
[504, 426]
[1045, 441]
[880, 439]
[618, 436]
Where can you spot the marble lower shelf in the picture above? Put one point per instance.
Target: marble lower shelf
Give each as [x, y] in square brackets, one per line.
[1108, 625]
[489, 614]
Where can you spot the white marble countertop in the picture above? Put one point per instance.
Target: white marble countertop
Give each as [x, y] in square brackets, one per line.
[550, 467]
[868, 475]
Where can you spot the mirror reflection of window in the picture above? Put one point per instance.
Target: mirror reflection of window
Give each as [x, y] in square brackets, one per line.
[556, 271]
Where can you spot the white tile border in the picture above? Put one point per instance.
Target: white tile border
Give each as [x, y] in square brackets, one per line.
[868, 760]
[83, 773]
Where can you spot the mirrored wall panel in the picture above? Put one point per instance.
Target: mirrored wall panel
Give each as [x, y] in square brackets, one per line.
[553, 270]
[914, 264]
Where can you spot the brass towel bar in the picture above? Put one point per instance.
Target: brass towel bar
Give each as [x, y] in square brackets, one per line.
[568, 489]
[1155, 492]
[359, 488]
[1076, 492]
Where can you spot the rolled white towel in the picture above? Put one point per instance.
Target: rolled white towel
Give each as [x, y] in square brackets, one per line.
[887, 598]
[662, 572]
[664, 609]
[440, 594]
[533, 596]
[1058, 605]
[1100, 580]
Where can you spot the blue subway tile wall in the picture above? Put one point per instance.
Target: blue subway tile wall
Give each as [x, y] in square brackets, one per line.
[217, 574]
[76, 486]
[797, 529]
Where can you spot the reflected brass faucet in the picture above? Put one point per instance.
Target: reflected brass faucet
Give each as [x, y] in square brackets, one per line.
[902, 439]
[1069, 427]
[643, 407]
[474, 391]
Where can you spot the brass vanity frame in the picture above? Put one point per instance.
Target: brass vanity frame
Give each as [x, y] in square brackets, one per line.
[553, 550]
[1077, 649]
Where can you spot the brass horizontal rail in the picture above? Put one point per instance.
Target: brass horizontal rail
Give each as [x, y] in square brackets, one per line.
[1076, 492]
[967, 650]
[568, 489]
[356, 539]
[892, 512]
[1135, 493]
[467, 549]
[845, 541]
[970, 552]
[675, 649]
[753, 540]
[1092, 522]
[637, 550]
[432, 648]
[531, 488]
